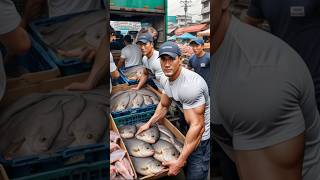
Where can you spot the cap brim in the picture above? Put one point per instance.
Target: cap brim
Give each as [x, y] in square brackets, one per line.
[195, 42]
[173, 55]
[143, 41]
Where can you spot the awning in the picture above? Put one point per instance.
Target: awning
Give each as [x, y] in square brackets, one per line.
[186, 36]
[194, 28]
[204, 33]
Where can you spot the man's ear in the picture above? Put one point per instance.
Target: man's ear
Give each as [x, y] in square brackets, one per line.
[225, 4]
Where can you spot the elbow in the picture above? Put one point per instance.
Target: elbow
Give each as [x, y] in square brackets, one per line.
[24, 43]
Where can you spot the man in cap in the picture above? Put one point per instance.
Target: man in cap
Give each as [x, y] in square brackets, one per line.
[200, 60]
[131, 54]
[150, 59]
[191, 90]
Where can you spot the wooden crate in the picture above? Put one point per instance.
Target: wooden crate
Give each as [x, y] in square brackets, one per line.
[41, 87]
[175, 132]
[112, 126]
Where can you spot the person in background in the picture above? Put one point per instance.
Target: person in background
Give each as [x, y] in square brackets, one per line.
[150, 60]
[14, 38]
[200, 60]
[130, 55]
[99, 69]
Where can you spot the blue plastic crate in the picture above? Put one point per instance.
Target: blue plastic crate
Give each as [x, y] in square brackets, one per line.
[85, 171]
[26, 166]
[68, 66]
[125, 79]
[134, 118]
[134, 110]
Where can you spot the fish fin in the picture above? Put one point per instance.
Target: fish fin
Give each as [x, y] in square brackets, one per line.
[15, 146]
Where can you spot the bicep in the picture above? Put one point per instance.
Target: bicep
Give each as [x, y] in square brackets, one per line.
[165, 100]
[277, 162]
[195, 116]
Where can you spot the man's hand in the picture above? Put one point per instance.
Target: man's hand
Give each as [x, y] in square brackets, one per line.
[135, 88]
[88, 54]
[84, 86]
[143, 128]
[174, 166]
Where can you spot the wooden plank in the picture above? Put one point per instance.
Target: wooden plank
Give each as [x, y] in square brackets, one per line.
[113, 127]
[3, 174]
[41, 87]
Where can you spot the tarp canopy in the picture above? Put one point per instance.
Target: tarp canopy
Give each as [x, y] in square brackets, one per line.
[189, 29]
[204, 33]
[172, 38]
[186, 36]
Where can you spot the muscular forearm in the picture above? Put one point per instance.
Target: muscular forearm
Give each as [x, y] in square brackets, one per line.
[32, 11]
[120, 63]
[160, 113]
[193, 138]
[143, 80]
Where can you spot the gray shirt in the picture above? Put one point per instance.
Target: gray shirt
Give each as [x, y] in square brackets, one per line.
[9, 20]
[191, 90]
[264, 95]
[153, 64]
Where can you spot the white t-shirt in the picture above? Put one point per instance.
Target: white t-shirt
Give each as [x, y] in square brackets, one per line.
[132, 55]
[113, 67]
[191, 90]
[9, 20]
[62, 7]
[153, 64]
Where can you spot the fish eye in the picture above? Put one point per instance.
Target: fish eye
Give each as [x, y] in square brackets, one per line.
[43, 139]
[152, 136]
[148, 148]
[173, 154]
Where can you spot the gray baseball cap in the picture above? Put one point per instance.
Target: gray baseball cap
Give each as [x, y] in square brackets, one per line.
[145, 37]
[169, 48]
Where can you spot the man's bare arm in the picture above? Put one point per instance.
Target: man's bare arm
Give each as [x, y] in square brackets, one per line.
[143, 79]
[32, 10]
[195, 119]
[278, 162]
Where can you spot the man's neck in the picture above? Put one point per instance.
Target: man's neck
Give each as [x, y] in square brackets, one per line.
[221, 31]
[150, 54]
[175, 76]
[201, 54]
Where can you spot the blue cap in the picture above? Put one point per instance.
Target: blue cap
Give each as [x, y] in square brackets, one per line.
[197, 41]
[145, 37]
[169, 48]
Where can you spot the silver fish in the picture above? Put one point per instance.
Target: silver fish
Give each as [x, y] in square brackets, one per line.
[150, 135]
[137, 101]
[147, 100]
[127, 131]
[165, 151]
[138, 148]
[147, 166]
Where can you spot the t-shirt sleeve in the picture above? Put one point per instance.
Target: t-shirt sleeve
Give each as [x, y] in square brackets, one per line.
[113, 66]
[266, 109]
[193, 94]
[255, 10]
[9, 17]
[124, 53]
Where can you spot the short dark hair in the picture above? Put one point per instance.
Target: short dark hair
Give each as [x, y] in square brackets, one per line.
[128, 38]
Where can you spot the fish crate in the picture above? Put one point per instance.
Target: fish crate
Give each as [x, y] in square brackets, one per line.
[133, 110]
[38, 64]
[89, 171]
[113, 127]
[30, 165]
[125, 79]
[144, 117]
[68, 65]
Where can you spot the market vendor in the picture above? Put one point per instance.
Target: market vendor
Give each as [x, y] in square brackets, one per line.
[191, 90]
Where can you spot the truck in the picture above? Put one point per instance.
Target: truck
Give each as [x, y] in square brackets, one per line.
[152, 12]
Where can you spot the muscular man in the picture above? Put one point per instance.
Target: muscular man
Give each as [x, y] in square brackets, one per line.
[266, 115]
[191, 91]
[150, 59]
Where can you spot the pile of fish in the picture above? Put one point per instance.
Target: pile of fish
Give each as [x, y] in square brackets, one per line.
[120, 167]
[134, 73]
[150, 148]
[127, 99]
[43, 123]
[71, 37]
